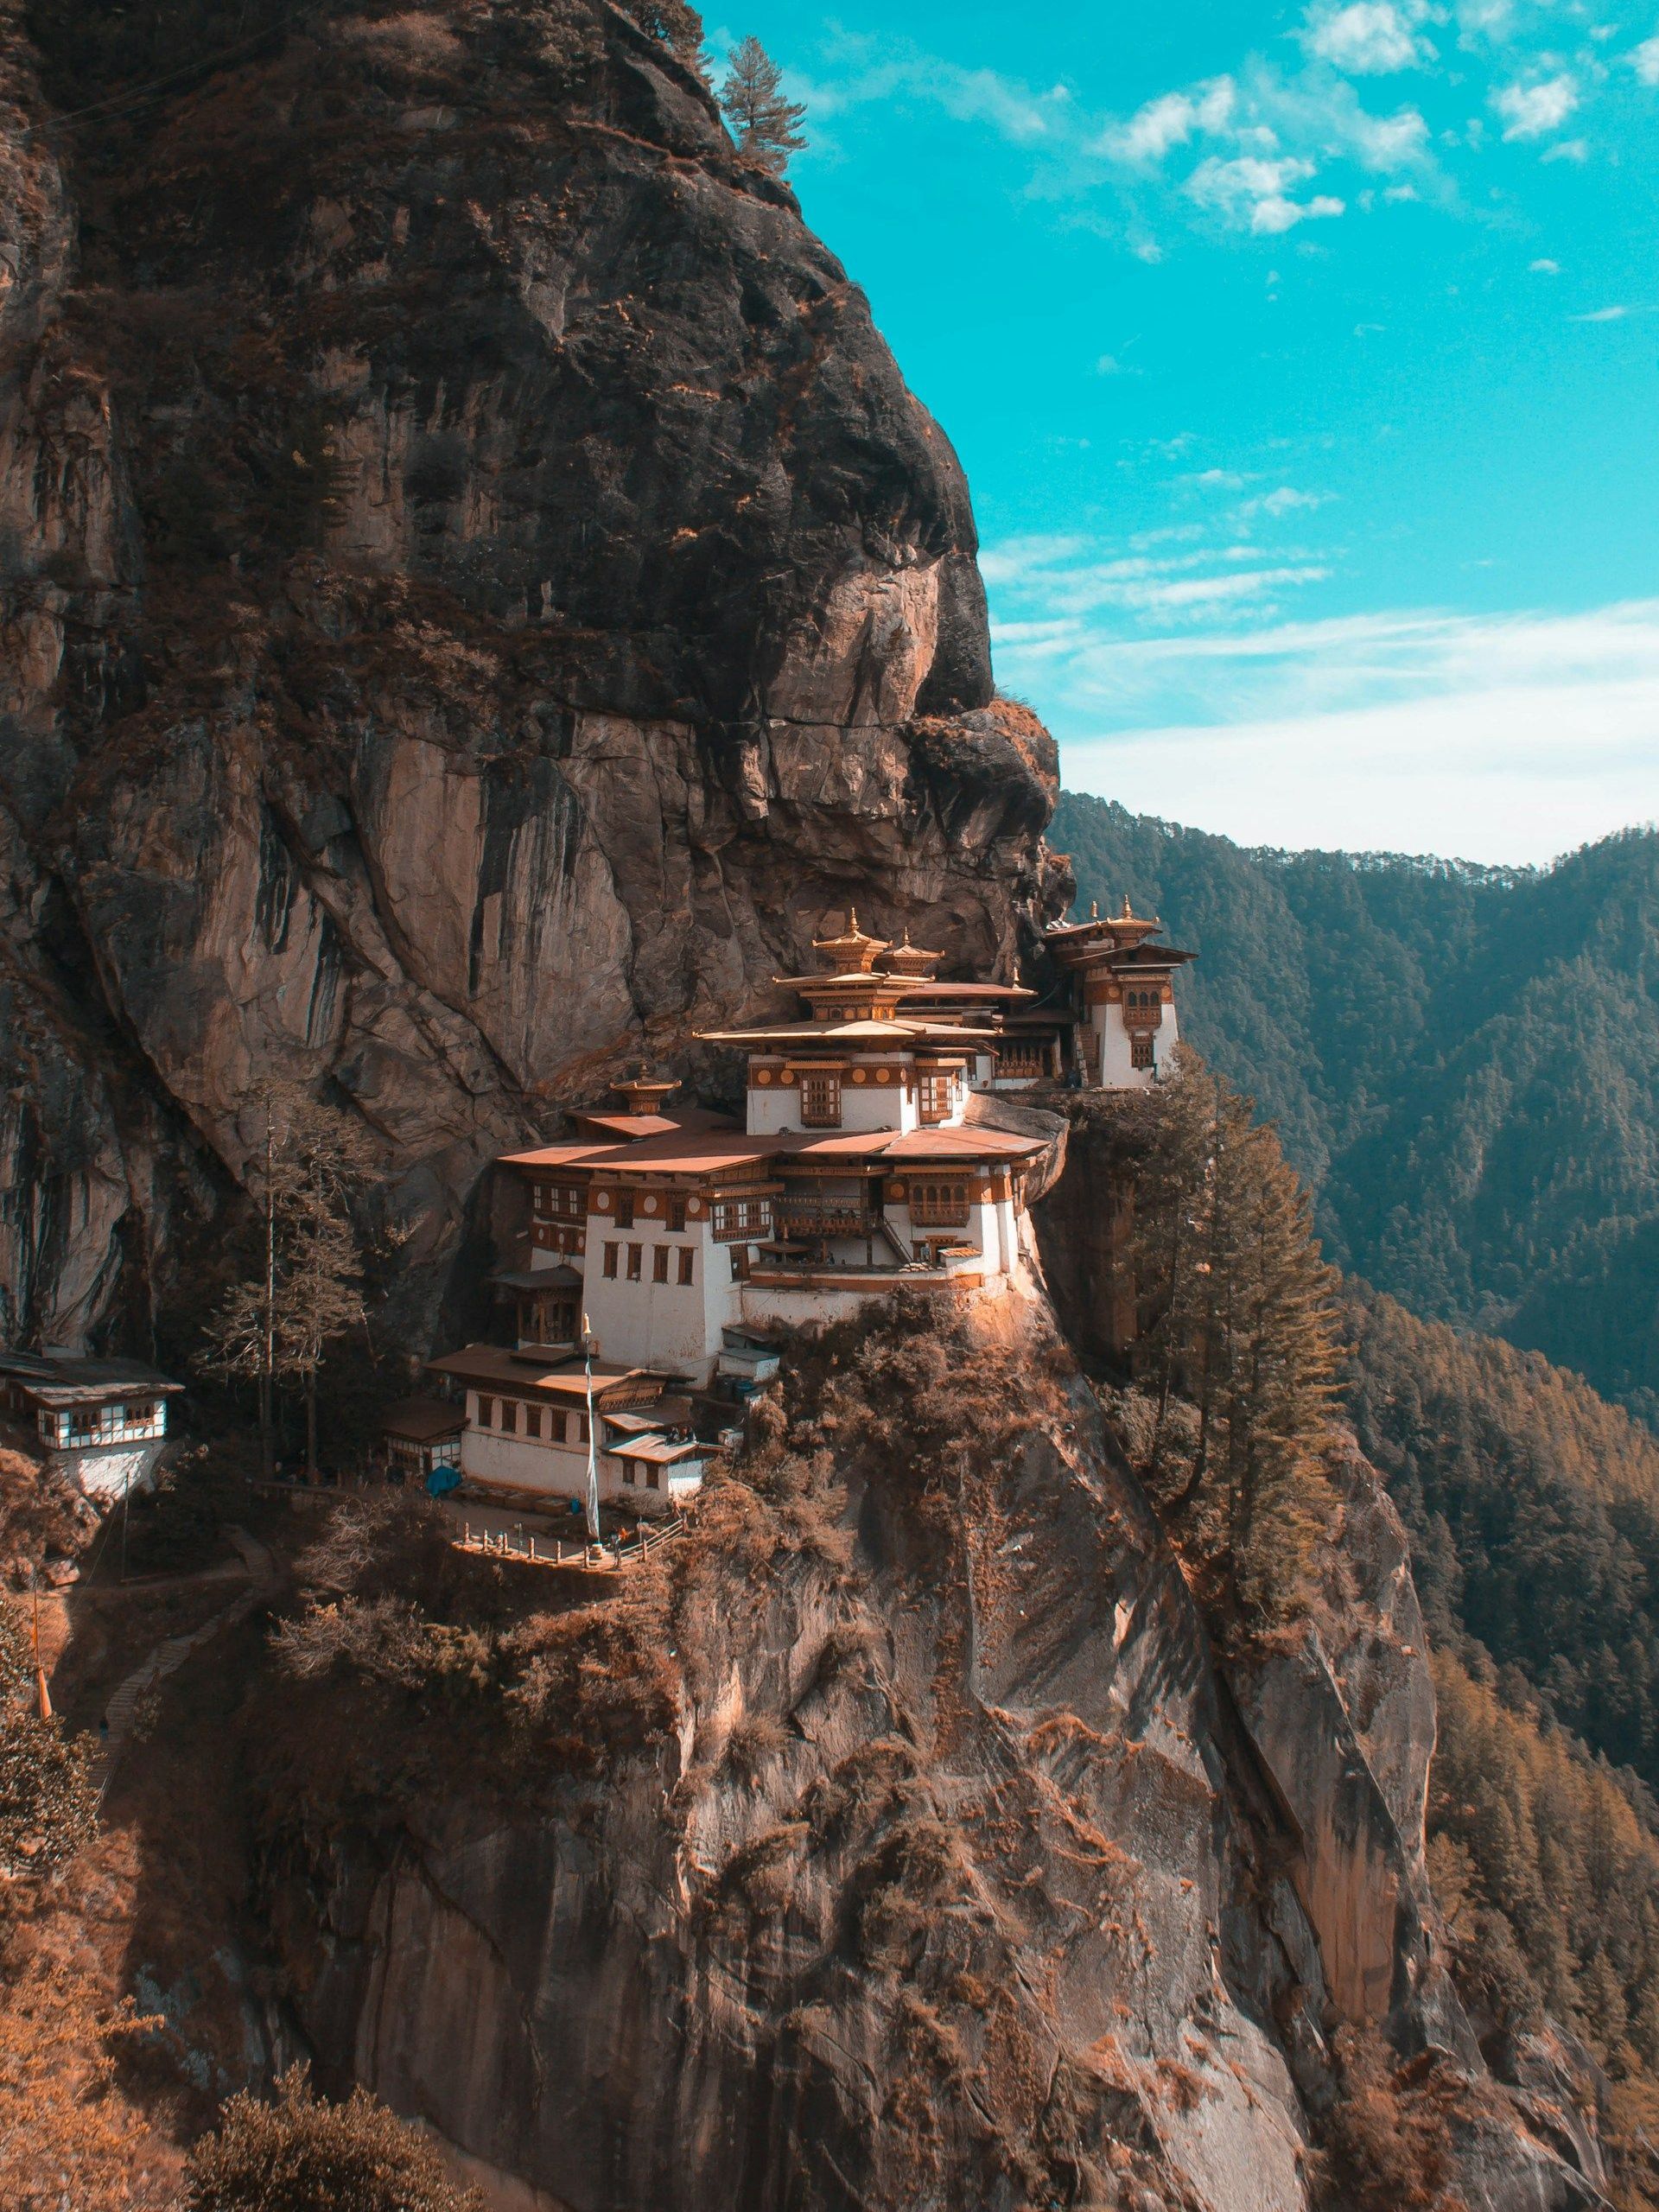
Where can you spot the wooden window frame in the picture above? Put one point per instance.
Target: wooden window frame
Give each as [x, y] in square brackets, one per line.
[1141, 1052]
[485, 1411]
[509, 1417]
[826, 1081]
[533, 1422]
[610, 1252]
[944, 1204]
[688, 1267]
[675, 1210]
[625, 1208]
[660, 1263]
[636, 1262]
[936, 1096]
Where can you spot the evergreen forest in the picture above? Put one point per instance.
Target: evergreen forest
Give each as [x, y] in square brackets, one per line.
[1463, 1061]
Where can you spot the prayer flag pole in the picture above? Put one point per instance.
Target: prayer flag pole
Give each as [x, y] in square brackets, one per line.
[593, 1437]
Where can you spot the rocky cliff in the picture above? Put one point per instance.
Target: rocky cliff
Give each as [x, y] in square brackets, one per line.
[474, 590]
[902, 1841]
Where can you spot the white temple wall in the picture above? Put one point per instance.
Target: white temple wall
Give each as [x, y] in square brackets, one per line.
[650, 1324]
[1117, 1072]
[864, 1108]
[556, 1472]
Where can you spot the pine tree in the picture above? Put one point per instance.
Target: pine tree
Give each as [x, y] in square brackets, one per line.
[1241, 1322]
[679, 27]
[765, 125]
[275, 1327]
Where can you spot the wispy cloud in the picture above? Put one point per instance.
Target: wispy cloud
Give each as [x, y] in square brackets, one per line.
[1533, 111]
[1255, 194]
[1498, 738]
[1601, 314]
[1645, 60]
[1170, 121]
[1544, 267]
[1370, 37]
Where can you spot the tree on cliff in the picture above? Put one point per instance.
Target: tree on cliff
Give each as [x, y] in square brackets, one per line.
[302, 2153]
[47, 1802]
[275, 1326]
[1243, 1335]
[765, 125]
[679, 27]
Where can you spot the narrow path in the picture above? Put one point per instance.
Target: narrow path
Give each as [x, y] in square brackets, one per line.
[165, 1659]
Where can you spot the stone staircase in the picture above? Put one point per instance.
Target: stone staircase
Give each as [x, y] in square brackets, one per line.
[128, 1702]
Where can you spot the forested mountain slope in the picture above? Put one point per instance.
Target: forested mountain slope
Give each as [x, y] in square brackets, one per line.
[1533, 1509]
[1462, 1060]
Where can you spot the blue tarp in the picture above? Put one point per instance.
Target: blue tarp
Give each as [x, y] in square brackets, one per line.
[441, 1481]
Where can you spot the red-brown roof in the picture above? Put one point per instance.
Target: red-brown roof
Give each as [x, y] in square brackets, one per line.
[509, 1370]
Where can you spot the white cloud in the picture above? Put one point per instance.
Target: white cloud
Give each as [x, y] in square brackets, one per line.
[1570, 149]
[1533, 111]
[1170, 120]
[1368, 37]
[1286, 499]
[1645, 60]
[1254, 194]
[1544, 267]
[1502, 738]
[1601, 314]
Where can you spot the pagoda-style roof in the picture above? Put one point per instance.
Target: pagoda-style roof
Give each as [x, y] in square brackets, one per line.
[641, 1096]
[852, 948]
[910, 960]
[1109, 940]
[896, 1033]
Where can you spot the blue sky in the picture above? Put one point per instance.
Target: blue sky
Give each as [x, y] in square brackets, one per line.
[1305, 364]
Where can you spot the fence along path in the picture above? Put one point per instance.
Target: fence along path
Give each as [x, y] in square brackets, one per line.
[603, 1558]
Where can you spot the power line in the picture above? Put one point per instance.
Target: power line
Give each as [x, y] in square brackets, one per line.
[134, 95]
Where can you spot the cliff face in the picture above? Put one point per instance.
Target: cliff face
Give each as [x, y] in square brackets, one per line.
[475, 589]
[946, 1868]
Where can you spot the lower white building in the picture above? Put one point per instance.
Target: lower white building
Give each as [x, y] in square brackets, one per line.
[102, 1422]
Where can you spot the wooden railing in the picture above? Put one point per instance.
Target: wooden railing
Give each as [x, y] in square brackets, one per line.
[531, 1551]
[827, 1217]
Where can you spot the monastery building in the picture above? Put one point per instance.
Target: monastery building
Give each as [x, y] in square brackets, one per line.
[674, 1249]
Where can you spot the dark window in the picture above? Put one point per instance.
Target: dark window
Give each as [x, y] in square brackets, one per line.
[675, 1211]
[821, 1101]
[625, 1209]
[628, 1474]
[660, 1263]
[532, 1420]
[1140, 1050]
[610, 1259]
[636, 1255]
[582, 1429]
[654, 1476]
[509, 1417]
[686, 1259]
[487, 1413]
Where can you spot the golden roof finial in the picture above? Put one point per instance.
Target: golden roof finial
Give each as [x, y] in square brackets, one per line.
[1128, 911]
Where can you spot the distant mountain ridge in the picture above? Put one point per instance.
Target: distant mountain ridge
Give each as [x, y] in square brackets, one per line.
[1463, 1061]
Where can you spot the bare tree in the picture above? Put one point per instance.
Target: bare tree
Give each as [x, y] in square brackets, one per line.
[765, 125]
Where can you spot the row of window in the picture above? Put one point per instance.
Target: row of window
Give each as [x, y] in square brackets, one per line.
[515, 1417]
[821, 1098]
[568, 1202]
[660, 1255]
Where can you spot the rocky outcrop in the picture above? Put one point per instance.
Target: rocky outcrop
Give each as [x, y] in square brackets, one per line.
[949, 1873]
[476, 590]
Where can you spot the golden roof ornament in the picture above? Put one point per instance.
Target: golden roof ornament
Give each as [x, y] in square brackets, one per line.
[853, 950]
[910, 961]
